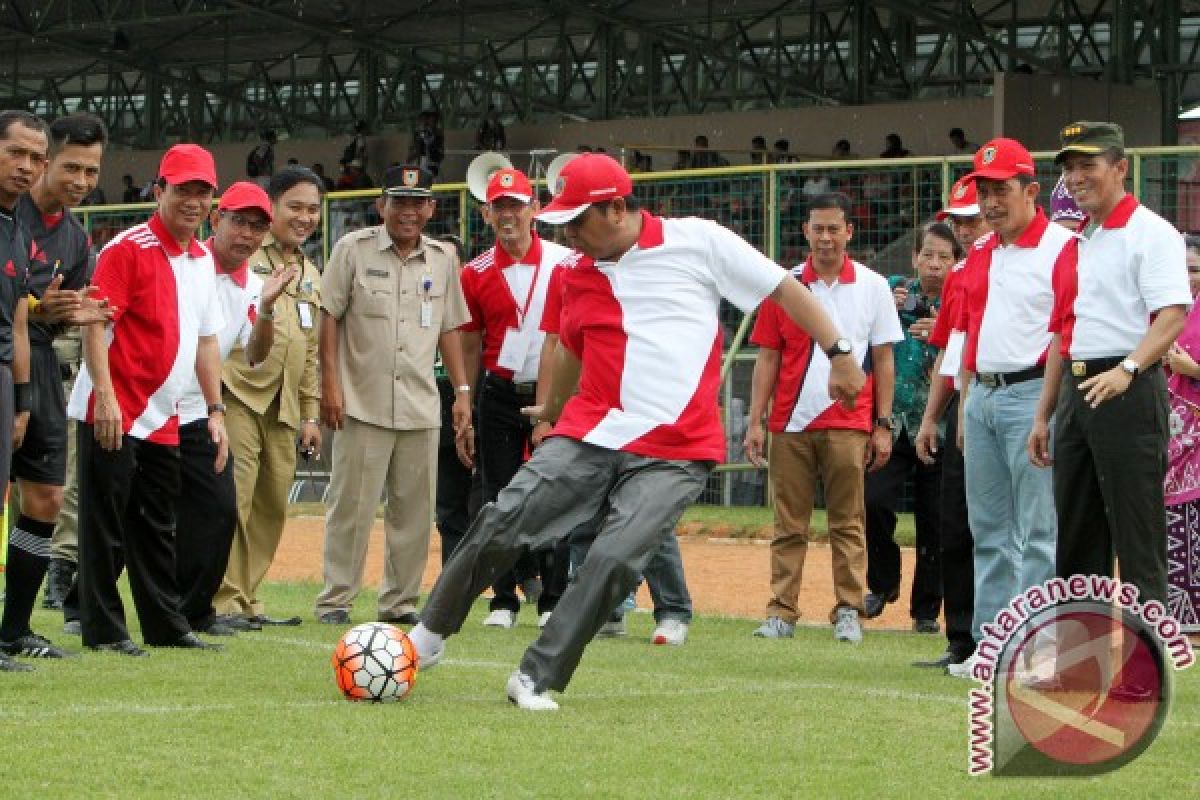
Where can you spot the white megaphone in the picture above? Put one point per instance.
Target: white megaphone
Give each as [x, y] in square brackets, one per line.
[481, 170]
[554, 168]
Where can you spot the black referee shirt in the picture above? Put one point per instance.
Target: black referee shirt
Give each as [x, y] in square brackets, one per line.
[14, 273]
[61, 247]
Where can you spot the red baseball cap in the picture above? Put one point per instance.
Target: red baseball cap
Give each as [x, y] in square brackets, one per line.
[1001, 159]
[509, 183]
[963, 202]
[188, 162]
[245, 195]
[588, 178]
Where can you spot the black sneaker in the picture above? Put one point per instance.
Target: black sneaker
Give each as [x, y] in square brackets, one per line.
[873, 604]
[33, 646]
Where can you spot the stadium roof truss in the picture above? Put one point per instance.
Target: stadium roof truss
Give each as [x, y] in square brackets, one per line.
[163, 70]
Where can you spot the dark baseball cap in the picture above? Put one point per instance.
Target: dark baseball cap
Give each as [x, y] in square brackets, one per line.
[407, 180]
[1090, 138]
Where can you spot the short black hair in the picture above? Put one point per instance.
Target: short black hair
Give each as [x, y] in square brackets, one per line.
[1113, 154]
[939, 230]
[288, 177]
[631, 203]
[957, 133]
[829, 201]
[758, 140]
[79, 128]
[15, 116]
[1192, 241]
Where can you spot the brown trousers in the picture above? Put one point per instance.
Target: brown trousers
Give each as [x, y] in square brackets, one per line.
[838, 458]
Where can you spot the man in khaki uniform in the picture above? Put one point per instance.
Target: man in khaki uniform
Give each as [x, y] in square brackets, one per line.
[391, 299]
[270, 403]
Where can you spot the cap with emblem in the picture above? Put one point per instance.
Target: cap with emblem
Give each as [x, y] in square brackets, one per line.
[1001, 159]
[188, 162]
[1062, 205]
[1089, 138]
[588, 178]
[244, 195]
[509, 183]
[963, 202]
[408, 180]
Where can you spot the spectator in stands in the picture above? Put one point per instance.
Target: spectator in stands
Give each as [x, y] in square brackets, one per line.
[260, 162]
[683, 160]
[841, 150]
[326, 181]
[490, 135]
[960, 146]
[895, 147]
[702, 157]
[131, 193]
[428, 146]
[353, 177]
[758, 151]
[356, 149]
[781, 154]
[814, 437]
[917, 301]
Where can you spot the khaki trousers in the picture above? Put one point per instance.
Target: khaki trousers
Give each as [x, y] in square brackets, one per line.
[64, 544]
[263, 450]
[838, 458]
[367, 460]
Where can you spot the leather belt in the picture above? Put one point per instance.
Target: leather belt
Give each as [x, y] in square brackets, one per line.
[524, 388]
[996, 380]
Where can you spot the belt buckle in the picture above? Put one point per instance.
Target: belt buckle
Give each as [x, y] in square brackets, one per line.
[990, 379]
[1079, 369]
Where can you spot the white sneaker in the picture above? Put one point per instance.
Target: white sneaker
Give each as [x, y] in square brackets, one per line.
[846, 627]
[543, 618]
[670, 631]
[521, 693]
[500, 618]
[430, 647]
[965, 669]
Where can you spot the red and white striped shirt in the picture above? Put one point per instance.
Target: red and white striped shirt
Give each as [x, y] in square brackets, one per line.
[164, 298]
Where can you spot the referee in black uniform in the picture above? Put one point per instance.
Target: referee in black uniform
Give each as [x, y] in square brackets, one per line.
[59, 269]
[23, 145]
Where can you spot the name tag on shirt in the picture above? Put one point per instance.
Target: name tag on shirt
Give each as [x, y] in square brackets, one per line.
[378, 273]
[515, 349]
[426, 313]
[306, 316]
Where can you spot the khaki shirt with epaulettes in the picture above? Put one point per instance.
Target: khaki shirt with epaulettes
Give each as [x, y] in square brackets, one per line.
[386, 349]
[290, 370]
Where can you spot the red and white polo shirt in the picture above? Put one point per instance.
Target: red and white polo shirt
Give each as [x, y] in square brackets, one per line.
[165, 298]
[646, 330]
[1130, 267]
[862, 308]
[552, 314]
[1008, 296]
[502, 297]
[238, 292]
[943, 336]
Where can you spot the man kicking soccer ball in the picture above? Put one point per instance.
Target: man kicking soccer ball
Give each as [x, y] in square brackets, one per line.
[640, 336]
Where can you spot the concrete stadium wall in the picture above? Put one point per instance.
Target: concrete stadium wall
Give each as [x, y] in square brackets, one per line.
[1033, 108]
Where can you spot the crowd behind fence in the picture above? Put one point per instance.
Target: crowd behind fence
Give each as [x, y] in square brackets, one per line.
[767, 205]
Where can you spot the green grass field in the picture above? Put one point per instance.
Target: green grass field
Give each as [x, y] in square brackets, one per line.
[726, 716]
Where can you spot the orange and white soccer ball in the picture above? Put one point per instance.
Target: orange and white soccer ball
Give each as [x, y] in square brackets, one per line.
[375, 662]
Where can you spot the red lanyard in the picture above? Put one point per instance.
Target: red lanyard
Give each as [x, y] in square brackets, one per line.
[524, 312]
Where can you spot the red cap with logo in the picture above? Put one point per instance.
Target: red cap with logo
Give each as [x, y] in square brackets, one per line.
[963, 202]
[188, 162]
[244, 195]
[588, 178]
[1001, 159]
[509, 183]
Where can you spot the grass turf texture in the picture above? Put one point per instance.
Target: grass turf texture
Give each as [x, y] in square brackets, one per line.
[725, 716]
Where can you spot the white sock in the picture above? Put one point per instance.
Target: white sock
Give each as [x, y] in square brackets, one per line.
[425, 640]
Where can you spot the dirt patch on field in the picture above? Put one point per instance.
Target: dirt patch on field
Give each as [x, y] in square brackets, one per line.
[725, 576]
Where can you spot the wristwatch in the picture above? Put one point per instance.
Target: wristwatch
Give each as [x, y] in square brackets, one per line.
[1131, 366]
[840, 347]
[884, 422]
[215, 407]
[463, 388]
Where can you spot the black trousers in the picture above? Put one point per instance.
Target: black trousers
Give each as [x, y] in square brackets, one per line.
[504, 439]
[1109, 465]
[957, 544]
[127, 510]
[459, 490]
[883, 490]
[206, 516]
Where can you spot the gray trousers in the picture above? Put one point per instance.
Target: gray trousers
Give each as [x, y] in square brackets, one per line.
[564, 485]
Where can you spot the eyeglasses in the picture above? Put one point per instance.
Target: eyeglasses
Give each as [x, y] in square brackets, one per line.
[256, 224]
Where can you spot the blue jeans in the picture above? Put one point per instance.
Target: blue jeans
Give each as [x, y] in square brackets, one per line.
[1010, 502]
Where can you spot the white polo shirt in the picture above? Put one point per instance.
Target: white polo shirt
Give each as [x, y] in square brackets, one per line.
[238, 292]
[647, 332]
[1131, 266]
[1008, 296]
[861, 306]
